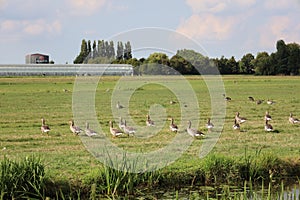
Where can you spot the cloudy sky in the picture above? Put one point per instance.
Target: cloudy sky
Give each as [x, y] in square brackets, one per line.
[221, 27]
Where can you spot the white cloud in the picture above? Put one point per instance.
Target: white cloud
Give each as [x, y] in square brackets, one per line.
[8, 25]
[84, 7]
[30, 27]
[280, 4]
[279, 27]
[214, 6]
[208, 27]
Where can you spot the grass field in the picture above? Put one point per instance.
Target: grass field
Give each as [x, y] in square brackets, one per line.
[23, 101]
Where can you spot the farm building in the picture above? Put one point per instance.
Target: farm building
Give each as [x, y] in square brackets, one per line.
[66, 70]
[37, 58]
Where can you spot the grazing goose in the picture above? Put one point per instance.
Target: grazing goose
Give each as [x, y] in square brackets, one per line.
[114, 131]
[259, 101]
[251, 98]
[173, 127]
[172, 102]
[226, 98]
[209, 125]
[239, 119]
[119, 106]
[75, 129]
[268, 116]
[128, 129]
[293, 120]
[149, 122]
[193, 132]
[270, 102]
[45, 128]
[236, 126]
[121, 123]
[89, 132]
[268, 127]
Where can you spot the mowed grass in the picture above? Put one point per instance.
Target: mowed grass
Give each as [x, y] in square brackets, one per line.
[25, 100]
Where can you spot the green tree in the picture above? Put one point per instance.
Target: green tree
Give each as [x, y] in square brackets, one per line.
[94, 50]
[263, 64]
[222, 65]
[198, 62]
[281, 56]
[120, 51]
[101, 48]
[246, 65]
[293, 65]
[83, 53]
[233, 65]
[127, 51]
[111, 50]
[179, 64]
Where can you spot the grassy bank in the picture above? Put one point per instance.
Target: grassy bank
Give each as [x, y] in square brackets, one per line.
[69, 166]
[26, 178]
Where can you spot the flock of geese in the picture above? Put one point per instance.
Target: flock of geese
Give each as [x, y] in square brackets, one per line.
[267, 118]
[128, 130]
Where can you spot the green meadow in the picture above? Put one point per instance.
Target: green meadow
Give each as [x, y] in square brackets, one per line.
[25, 100]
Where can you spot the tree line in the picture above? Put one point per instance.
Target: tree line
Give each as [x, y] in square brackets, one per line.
[285, 61]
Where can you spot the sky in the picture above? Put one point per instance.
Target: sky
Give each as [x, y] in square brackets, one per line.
[219, 27]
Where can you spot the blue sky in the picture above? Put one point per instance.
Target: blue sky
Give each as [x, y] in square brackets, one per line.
[228, 27]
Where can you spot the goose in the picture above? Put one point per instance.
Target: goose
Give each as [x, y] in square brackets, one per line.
[173, 127]
[226, 98]
[268, 127]
[251, 98]
[119, 106]
[114, 131]
[149, 122]
[75, 129]
[239, 119]
[270, 102]
[128, 129]
[89, 132]
[193, 132]
[293, 120]
[259, 101]
[172, 102]
[268, 116]
[121, 123]
[236, 126]
[209, 125]
[45, 128]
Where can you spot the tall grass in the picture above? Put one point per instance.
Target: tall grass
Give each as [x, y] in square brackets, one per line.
[118, 178]
[22, 179]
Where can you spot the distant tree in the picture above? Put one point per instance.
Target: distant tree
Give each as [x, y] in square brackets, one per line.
[111, 50]
[222, 65]
[120, 51]
[156, 64]
[263, 64]
[83, 53]
[198, 62]
[281, 56]
[94, 51]
[232, 65]
[179, 64]
[89, 49]
[246, 64]
[101, 48]
[127, 51]
[293, 65]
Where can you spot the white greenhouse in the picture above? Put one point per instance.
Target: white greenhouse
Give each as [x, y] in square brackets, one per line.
[66, 70]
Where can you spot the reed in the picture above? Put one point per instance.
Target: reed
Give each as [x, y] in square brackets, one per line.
[117, 178]
[22, 179]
